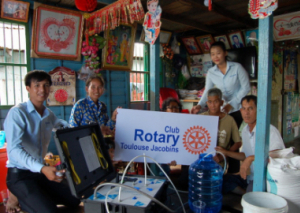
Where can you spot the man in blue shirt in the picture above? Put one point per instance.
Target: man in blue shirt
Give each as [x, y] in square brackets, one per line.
[28, 129]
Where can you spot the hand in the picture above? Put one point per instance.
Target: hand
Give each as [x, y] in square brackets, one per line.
[227, 108]
[50, 173]
[105, 130]
[218, 158]
[12, 205]
[245, 167]
[114, 115]
[173, 163]
[196, 109]
[221, 149]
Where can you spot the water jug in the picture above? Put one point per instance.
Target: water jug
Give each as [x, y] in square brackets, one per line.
[205, 183]
[2, 138]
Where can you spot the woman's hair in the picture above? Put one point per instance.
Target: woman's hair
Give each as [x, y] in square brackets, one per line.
[37, 75]
[218, 44]
[167, 103]
[100, 78]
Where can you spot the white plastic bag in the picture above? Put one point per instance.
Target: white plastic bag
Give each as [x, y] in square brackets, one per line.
[175, 46]
[283, 177]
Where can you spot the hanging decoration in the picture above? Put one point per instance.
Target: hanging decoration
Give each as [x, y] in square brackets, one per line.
[152, 21]
[111, 16]
[208, 3]
[86, 5]
[90, 51]
[262, 8]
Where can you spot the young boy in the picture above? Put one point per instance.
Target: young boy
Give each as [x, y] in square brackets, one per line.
[28, 129]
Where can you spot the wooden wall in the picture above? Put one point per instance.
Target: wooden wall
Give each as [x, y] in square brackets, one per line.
[117, 85]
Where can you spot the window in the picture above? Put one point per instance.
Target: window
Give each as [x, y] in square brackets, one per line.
[13, 62]
[139, 76]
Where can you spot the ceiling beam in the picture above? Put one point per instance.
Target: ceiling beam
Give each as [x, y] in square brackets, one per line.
[187, 22]
[223, 12]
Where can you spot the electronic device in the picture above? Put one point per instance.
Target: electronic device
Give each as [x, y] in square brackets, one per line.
[85, 158]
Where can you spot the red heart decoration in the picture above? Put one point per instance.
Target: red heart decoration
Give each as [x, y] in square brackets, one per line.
[56, 43]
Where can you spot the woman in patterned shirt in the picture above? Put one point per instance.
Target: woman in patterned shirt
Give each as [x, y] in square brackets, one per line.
[90, 109]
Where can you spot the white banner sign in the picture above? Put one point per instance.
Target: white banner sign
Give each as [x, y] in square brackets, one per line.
[164, 136]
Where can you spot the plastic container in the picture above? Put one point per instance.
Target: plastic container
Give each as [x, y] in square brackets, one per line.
[263, 202]
[2, 139]
[205, 184]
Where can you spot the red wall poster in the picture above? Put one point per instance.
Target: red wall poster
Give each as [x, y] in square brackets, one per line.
[63, 89]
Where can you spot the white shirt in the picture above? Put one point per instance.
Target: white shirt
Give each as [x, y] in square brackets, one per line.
[28, 135]
[234, 84]
[248, 147]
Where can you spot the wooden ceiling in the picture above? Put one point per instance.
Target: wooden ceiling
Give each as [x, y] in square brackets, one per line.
[191, 17]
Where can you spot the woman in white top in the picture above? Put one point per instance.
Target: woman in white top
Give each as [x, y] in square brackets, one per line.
[230, 77]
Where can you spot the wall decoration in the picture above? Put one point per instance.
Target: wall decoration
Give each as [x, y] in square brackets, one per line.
[15, 10]
[252, 37]
[63, 89]
[191, 45]
[290, 70]
[164, 37]
[205, 42]
[58, 33]
[111, 16]
[200, 65]
[152, 21]
[224, 39]
[236, 40]
[118, 53]
[168, 52]
[286, 27]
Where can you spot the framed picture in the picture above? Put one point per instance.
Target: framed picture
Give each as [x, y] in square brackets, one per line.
[205, 42]
[164, 37]
[58, 33]
[236, 40]
[118, 52]
[15, 10]
[191, 45]
[252, 38]
[224, 39]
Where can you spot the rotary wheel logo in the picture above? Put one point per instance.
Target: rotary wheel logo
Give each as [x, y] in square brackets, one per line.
[196, 140]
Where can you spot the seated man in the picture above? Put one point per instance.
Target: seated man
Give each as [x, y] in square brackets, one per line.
[227, 126]
[241, 183]
[249, 111]
[28, 132]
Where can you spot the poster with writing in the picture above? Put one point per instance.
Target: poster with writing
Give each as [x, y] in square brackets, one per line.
[164, 136]
[290, 70]
[63, 89]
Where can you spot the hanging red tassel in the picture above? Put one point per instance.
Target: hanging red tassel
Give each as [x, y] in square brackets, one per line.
[86, 5]
[209, 5]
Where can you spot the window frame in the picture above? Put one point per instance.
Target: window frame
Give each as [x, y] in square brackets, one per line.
[27, 55]
[146, 78]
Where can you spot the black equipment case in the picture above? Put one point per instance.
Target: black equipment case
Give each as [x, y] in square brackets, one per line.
[85, 157]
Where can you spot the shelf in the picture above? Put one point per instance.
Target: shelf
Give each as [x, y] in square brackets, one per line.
[253, 81]
[187, 100]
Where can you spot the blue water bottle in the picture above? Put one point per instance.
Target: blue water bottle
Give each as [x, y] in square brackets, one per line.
[2, 138]
[205, 184]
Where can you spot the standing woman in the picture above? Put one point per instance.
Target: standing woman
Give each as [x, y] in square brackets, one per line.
[230, 77]
[90, 109]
